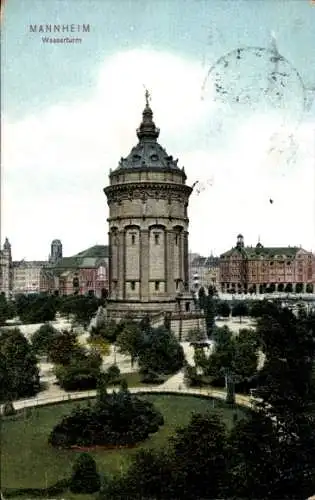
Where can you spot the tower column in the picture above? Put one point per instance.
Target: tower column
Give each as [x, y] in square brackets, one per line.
[110, 242]
[144, 264]
[181, 256]
[121, 265]
[169, 251]
[186, 268]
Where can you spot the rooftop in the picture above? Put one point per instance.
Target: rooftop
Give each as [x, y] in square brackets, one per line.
[87, 259]
[148, 153]
[259, 250]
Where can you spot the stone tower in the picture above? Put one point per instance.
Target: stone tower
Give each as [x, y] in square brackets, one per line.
[56, 252]
[6, 269]
[148, 227]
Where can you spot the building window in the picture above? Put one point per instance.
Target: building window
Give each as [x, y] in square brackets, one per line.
[133, 239]
[157, 238]
[133, 285]
[157, 285]
[176, 239]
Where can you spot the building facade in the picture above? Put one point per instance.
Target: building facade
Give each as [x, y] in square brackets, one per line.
[30, 277]
[204, 272]
[262, 269]
[148, 229]
[84, 273]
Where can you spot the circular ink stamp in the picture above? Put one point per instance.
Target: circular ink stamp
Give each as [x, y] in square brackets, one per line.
[255, 80]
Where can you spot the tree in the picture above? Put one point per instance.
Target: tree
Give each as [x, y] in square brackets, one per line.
[210, 312]
[63, 347]
[202, 297]
[99, 344]
[4, 378]
[192, 466]
[7, 309]
[21, 364]
[288, 399]
[309, 288]
[149, 476]
[191, 377]
[223, 309]
[43, 338]
[37, 308]
[130, 340]
[240, 309]
[81, 373]
[202, 447]
[81, 307]
[245, 355]
[251, 459]
[288, 288]
[233, 360]
[113, 374]
[161, 352]
[85, 478]
[108, 331]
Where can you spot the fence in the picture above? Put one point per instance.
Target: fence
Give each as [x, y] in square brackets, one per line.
[201, 392]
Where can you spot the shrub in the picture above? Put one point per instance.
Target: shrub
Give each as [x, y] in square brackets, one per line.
[85, 478]
[43, 338]
[149, 376]
[161, 352]
[195, 335]
[191, 377]
[113, 374]
[77, 377]
[8, 409]
[116, 419]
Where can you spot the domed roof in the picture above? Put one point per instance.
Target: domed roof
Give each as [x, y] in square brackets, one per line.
[148, 153]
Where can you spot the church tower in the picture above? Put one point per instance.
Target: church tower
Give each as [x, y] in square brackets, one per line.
[56, 252]
[148, 227]
[6, 275]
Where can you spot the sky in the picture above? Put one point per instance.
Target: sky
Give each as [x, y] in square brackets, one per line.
[231, 91]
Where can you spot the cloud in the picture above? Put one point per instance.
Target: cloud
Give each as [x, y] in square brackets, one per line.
[56, 163]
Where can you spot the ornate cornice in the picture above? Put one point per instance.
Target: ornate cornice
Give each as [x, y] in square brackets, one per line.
[148, 217]
[145, 190]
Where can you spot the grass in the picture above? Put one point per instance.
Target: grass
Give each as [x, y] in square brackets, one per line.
[29, 462]
[134, 379]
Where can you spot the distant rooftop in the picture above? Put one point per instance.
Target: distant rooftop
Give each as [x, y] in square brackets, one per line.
[254, 252]
[87, 259]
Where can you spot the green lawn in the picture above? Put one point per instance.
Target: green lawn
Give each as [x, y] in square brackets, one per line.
[134, 379]
[28, 461]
